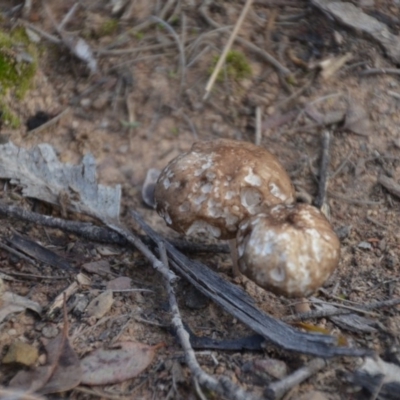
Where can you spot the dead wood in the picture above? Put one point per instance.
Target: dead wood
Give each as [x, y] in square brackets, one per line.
[96, 233]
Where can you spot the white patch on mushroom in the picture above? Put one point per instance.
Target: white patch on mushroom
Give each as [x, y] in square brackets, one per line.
[278, 274]
[203, 227]
[316, 247]
[206, 188]
[214, 208]
[198, 172]
[210, 175]
[252, 178]
[166, 183]
[229, 195]
[250, 199]
[200, 199]
[184, 207]
[230, 219]
[276, 192]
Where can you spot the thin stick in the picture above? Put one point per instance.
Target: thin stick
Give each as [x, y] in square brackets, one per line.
[181, 48]
[376, 71]
[67, 17]
[277, 389]
[324, 170]
[50, 122]
[330, 313]
[228, 46]
[223, 385]
[390, 185]
[131, 238]
[354, 201]
[96, 233]
[258, 126]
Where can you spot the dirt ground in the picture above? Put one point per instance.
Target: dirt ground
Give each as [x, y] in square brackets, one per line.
[142, 108]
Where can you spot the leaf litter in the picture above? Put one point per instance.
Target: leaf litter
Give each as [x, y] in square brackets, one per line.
[125, 361]
[61, 372]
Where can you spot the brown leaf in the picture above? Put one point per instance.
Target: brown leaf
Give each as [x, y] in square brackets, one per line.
[67, 374]
[100, 305]
[12, 303]
[104, 367]
[356, 119]
[101, 267]
[62, 372]
[120, 283]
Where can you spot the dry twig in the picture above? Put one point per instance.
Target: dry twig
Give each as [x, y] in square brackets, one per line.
[228, 46]
[250, 46]
[96, 233]
[277, 389]
[222, 385]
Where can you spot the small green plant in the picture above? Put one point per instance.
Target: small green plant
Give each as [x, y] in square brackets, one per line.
[175, 131]
[18, 62]
[139, 35]
[108, 27]
[8, 118]
[236, 66]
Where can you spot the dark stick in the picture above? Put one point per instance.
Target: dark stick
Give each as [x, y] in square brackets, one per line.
[95, 233]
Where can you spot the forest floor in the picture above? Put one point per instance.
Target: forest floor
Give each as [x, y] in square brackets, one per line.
[143, 107]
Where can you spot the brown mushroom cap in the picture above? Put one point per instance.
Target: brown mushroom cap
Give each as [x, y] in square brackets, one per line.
[217, 184]
[291, 250]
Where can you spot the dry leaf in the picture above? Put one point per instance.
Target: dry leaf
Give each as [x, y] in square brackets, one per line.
[105, 367]
[42, 176]
[59, 300]
[120, 283]
[108, 251]
[101, 267]
[330, 66]
[356, 119]
[83, 279]
[12, 303]
[100, 305]
[61, 373]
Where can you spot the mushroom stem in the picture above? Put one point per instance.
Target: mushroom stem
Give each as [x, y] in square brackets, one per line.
[234, 256]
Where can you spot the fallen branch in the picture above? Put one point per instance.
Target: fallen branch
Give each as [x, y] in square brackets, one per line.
[96, 233]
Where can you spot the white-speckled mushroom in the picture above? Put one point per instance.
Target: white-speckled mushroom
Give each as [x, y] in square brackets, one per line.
[217, 184]
[290, 250]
